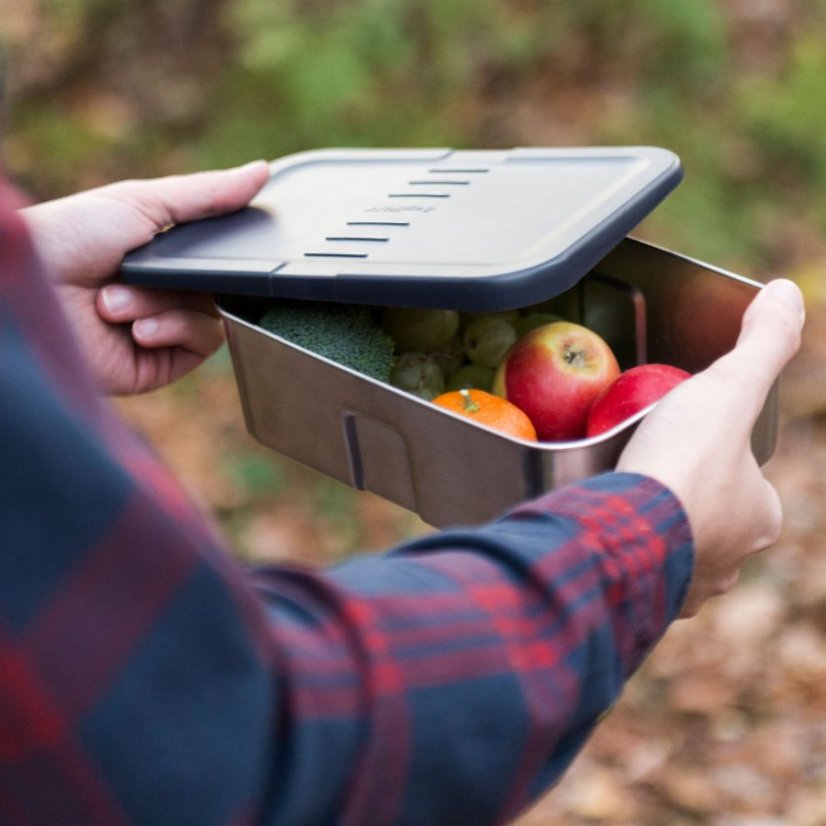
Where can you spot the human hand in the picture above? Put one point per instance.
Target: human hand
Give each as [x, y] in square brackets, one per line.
[135, 339]
[697, 443]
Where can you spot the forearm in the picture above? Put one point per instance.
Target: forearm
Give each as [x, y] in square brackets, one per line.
[455, 679]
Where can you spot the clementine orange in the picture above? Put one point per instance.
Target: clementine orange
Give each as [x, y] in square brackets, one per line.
[489, 410]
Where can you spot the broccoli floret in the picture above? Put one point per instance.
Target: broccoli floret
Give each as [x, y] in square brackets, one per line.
[342, 333]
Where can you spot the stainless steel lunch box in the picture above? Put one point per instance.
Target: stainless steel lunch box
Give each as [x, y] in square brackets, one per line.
[668, 308]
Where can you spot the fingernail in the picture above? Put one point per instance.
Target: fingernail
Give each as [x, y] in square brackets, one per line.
[145, 328]
[253, 164]
[116, 298]
[787, 291]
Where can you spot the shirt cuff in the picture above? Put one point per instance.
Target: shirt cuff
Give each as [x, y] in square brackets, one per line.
[638, 534]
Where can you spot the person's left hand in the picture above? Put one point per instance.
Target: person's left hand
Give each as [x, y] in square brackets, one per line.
[135, 339]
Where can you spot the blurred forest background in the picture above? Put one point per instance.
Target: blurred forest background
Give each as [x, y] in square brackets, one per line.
[726, 723]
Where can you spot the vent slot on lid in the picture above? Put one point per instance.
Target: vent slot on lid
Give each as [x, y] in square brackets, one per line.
[419, 195]
[378, 223]
[335, 255]
[371, 239]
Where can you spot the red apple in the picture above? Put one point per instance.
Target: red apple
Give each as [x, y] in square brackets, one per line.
[554, 373]
[634, 390]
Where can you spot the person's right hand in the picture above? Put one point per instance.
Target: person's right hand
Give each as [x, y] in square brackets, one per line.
[697, 443]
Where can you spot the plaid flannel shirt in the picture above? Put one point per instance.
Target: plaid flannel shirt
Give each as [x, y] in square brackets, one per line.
[147, 678]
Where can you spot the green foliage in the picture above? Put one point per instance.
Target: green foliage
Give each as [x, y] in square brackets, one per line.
[685, 41]
[60, 139]
[364, 72]
[338, 503]
[345, 334]
[786, 116]
[254, 475]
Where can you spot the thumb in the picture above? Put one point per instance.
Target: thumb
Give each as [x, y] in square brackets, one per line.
[769, 337]
[176, 199]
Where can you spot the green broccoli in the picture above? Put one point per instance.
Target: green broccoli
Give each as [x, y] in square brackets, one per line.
[342, 333]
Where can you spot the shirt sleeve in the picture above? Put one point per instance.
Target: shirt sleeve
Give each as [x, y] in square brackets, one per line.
[146, 678]
[455, 678]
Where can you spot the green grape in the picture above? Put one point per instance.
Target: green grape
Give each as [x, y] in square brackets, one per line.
[530, 322]
[487, 340]
[450, 357]
[418, 373]
[472, 376]
[421, 330]
[466, 319]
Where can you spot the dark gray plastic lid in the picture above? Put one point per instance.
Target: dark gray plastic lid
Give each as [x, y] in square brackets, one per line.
[470, 229]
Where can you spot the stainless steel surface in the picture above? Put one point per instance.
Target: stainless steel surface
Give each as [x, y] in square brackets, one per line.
[648, 302]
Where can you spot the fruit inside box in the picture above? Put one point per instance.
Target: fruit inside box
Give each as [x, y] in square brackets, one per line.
[643, 301]
[561, 370]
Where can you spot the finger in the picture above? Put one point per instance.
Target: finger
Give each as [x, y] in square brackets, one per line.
[769, 338]
[179, 198]
[200, 334]
[120, 303]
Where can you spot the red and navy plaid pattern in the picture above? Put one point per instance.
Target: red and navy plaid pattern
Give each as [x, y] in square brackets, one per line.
[146, 678]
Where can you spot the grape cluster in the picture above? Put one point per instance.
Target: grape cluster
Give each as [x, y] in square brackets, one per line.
[439, 350]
